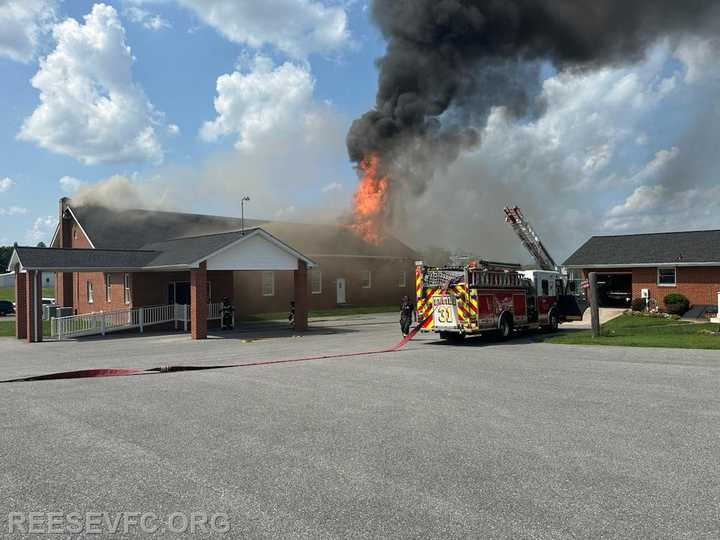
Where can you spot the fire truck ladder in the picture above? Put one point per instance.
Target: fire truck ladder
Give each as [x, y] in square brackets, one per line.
[530, 239]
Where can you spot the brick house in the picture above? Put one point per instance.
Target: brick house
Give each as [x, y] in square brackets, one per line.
[346, 269]
[652, 265]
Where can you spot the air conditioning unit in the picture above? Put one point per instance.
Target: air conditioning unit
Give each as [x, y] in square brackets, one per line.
[63, 311]
[49, 312]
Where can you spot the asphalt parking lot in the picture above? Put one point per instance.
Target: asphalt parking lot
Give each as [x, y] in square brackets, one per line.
[485, 439]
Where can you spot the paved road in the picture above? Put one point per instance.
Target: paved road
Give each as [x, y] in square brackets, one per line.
[485, 439]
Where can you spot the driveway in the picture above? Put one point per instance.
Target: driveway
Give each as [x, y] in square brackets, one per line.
[606, 315]
[484, 439]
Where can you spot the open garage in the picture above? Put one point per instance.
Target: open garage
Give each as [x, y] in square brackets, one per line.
[615, 289]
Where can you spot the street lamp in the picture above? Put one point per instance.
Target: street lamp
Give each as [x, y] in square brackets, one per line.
[242, 213]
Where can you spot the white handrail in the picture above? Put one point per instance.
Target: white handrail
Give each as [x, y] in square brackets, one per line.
[100, 323]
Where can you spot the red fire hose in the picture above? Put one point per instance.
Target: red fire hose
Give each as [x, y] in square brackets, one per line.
[124, 372]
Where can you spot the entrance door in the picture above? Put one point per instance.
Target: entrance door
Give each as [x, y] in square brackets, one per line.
[179, 292]
[341, 290]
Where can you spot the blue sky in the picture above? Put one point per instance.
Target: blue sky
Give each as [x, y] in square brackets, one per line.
[176, 66]
[190, 104]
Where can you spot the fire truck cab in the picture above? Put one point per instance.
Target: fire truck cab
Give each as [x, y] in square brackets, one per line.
[547, 287]
[481, 297]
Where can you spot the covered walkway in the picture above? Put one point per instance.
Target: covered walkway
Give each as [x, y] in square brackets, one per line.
[194, 256]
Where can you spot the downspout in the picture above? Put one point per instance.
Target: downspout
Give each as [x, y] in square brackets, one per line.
[35, 304]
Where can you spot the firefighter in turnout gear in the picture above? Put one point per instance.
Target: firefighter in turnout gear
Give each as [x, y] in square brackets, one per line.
[227, 314]
[407, 312]
[291, 315]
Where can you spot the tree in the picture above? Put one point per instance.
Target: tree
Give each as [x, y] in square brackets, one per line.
[41, 245]
[5, 254]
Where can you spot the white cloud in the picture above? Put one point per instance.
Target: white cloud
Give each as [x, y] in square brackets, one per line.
[700, 58]
[139, 15]
[660, 208]
[13, 211]
[296, 27]
[287, 143]
[42, 230]
[265, 100]
[22, 24]
[656, 166]
[6, 183]
[643, 198]
[332, 187]
[90, 108]
[173, 129]
[70, 184]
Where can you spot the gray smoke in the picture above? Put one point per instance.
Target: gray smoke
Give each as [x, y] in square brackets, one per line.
[449, 62]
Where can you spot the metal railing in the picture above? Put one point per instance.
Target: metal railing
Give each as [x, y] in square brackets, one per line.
[104, 322]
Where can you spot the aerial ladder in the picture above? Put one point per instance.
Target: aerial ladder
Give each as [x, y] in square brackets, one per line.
[530, 239]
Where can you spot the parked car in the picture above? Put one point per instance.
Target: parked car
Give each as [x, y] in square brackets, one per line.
[6, 308]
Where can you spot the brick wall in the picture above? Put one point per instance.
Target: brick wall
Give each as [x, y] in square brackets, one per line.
[700, 284]
[100, 301]
[384, 289]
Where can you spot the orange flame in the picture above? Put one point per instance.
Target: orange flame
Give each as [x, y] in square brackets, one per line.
[370, 201]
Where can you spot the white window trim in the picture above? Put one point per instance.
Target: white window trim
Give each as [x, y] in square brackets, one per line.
[402, 282]
[90, 292]
[108, 289]
[369, 280]
[674, 269]
[127, 288]
[272, 283]
[316, 272]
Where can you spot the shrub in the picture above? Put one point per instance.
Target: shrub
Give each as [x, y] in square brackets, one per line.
[676, 304]
[638, 304]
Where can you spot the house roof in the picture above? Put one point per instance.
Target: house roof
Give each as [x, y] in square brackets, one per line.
[190, 250]
[186, 252]
[690, 248]
[133, 229]
[56, 259]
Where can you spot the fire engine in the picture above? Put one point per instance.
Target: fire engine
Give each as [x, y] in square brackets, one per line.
[482, 296]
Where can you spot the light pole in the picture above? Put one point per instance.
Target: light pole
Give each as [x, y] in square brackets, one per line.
[242, 213]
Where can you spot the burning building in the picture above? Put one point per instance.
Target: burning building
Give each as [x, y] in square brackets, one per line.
[449, 64]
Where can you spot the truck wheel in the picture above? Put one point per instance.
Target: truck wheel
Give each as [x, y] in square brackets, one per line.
[506, 327]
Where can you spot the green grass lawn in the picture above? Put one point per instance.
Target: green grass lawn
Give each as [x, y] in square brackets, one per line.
[315, 313]
[8, 293]
[7, 328]
[634, 331]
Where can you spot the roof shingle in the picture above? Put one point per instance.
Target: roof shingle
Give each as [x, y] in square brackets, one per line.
[648, 249]
[133, 229]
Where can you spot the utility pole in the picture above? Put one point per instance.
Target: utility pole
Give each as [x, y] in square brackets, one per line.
[594, 304]
[242, 213]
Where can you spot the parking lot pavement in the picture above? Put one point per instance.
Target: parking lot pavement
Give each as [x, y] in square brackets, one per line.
[483, 439]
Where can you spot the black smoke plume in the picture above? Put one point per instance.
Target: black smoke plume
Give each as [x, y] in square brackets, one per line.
[448, 62]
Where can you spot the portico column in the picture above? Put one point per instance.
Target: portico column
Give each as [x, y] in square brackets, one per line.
[302, 298]
[21, 316]
[199, 302]
[33, 295]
